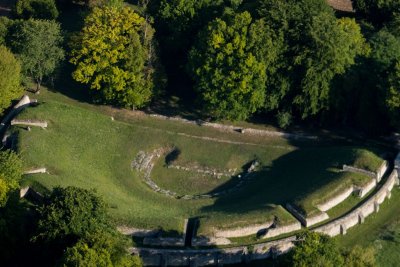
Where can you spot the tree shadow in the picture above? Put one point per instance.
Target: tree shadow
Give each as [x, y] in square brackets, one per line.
[288, 179]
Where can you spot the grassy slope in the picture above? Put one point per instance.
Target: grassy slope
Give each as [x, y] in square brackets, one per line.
[87, 149]
[380, 230]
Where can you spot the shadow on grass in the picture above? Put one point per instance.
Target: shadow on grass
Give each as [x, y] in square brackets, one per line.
[289, 179]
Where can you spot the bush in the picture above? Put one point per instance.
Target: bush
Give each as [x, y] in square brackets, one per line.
[284, 119]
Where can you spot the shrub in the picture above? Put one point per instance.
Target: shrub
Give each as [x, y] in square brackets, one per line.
[284, 119]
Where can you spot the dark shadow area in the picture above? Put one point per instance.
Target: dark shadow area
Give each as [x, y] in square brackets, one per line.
[289, 179]
[172, 156]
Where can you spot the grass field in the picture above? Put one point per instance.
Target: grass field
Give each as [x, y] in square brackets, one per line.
[381, 231]
[83, 147]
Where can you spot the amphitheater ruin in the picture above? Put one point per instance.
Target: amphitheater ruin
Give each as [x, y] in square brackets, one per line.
[217, 249]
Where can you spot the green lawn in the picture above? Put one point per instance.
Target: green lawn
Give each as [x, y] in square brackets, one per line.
[380, 230]
[83, 147]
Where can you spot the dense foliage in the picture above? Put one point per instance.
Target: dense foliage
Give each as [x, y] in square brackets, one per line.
[314, 249]
[71, 214]
[10, 78]
[229, 65]
[113, 56]
[37, 9]
[37, 43]
[10, 174]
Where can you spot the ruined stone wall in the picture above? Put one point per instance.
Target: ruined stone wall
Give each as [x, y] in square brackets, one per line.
[336, 200]
[191, 257]
[243, 231]
[231, 128]
[307, 221]
[283, 229]
[362, 191]
[358, 215]
[24, 102]
[381, 171]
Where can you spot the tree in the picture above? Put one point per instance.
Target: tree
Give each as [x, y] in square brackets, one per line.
[10, 78]
[100, 248]
[37, 44]
[4, 191]
[73, 224]
[178, 23]
[82, 255]
[360, 257]
[112, 56]
[71, 213]
[229, 64]
[314, 249]
[37, 9]
[317, 48]
[5, 24]
[378, 11]
[10, 168]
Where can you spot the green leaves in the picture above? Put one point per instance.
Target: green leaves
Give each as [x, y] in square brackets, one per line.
[10, 78]
[112, 56]
[70, 214]
[229, 67]
[37, 44]
[10, 174]
[37, 9]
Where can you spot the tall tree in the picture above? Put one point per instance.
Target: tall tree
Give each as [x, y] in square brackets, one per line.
[10, 78]
[38, 45]
[229, 63]
[70, 214]
[314, 249]
[112, 56]
[178, 23]
[317, 48]
[11, 168]
[378, 11]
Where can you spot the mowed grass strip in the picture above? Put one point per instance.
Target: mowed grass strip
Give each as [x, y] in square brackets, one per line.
[83, 147]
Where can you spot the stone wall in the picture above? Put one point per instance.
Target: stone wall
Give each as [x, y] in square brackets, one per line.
[35, 171]
[231, 128]
[363, 190]
[336, 200]
[36, 123]
[125, 230]
[243, 231]
[381, 171]
[358, 215]
[199, 257]
[307, 221]
[283, 229]
[242, 254]
[24, 102]
[164, 241]
[358, 170]
[209, 241]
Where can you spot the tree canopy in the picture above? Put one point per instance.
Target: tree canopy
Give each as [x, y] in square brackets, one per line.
[317, 47]
[112, 55]
[10, 168]
[10, 78]
[229, 65]
[37, 43]
[37, 9]
[70, 214]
